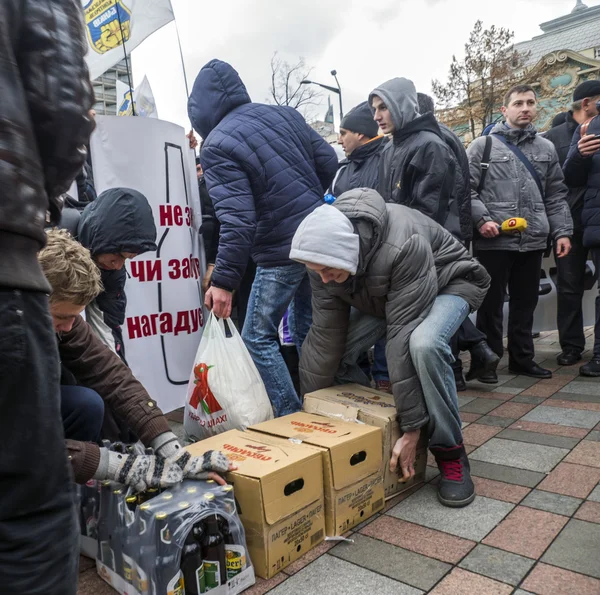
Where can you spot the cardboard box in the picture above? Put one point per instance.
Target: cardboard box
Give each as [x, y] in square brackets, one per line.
[353, 402]
[279, 493]
[352, 474]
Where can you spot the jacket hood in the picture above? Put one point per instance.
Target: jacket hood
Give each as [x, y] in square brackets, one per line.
[119, 220]
[218, 89]
[400, 97]
[421, 124]
[367, 211]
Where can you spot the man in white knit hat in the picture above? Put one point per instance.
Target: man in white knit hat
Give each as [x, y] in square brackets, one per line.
[406, 276]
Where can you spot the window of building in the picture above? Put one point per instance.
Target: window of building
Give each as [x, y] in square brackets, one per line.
[597, 53]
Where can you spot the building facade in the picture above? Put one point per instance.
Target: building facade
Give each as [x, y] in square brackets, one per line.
[105, 88]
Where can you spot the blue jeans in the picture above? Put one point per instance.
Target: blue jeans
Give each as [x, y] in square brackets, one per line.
[82, 411]
[273, 290]
[380, 369]
[431, 355]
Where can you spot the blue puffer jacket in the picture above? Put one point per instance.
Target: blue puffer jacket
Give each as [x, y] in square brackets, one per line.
[585, 172]
[264, 167]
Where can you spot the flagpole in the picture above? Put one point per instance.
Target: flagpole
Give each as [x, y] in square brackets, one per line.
[187, 89]
[126, 63]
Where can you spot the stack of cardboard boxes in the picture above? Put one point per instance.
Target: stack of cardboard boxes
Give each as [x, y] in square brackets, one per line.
[312, 474]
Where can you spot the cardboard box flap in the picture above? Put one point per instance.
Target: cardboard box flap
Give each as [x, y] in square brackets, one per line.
[290, 476]
[356, 396]
[354, 449]
[336, 410]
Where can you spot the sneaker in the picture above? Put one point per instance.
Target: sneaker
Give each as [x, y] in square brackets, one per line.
[568, 357]
[592, 368]
[456, 487]
[385, 386]
[483, 361]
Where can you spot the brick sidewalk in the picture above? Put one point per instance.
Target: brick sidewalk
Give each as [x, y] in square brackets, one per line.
[534, 527]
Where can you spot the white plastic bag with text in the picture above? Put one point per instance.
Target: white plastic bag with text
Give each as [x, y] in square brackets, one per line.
[225, 391]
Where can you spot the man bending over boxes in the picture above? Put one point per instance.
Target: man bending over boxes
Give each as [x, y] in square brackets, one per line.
[377, 268]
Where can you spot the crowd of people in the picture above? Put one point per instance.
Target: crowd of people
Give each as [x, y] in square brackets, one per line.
[390, 250]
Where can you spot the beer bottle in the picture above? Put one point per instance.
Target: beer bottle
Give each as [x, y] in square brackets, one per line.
[131, 539]
[90, 514]
[213, 554]
[146, 555]
[169, 578]
[104, 525]
[235, 555]
[117, 529]
[192, 564]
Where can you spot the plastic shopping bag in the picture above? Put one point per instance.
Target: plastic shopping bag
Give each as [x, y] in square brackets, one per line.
[225, 391]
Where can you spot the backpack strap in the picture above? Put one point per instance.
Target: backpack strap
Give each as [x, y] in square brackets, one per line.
[485, 162]
[523, 159]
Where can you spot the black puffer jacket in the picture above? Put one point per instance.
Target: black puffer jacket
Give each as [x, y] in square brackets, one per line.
[561, 137]
[360, 169]
[418, 169]
[119, 220]
[585, 171]
[44, 126]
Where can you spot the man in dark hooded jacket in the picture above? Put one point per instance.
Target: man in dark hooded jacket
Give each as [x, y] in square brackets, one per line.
[424, 168]
[44, 127]
[118, 225]
[265, 170]
[383, 269]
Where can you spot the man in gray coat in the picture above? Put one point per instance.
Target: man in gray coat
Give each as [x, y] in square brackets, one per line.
[521, 178]
[407, 277]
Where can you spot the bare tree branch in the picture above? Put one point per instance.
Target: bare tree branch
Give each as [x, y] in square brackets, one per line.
[286, 87]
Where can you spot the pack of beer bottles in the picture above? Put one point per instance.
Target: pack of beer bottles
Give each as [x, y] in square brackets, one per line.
[184, 540]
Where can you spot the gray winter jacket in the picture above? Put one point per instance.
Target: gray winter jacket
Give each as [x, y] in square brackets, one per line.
[406, 261]
[510, 191]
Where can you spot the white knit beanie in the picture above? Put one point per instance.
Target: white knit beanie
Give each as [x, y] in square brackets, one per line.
[327, 237]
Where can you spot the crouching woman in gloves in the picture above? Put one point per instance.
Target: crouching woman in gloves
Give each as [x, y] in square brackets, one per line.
[96, 373]
[378, 268]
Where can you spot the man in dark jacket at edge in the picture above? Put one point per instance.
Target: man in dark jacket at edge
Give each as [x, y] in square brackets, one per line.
[362, 144]
[404, 277]
[45, 126]
[582, 169]
[75, 281]
[424, 168]
[570, 280]
[265, 170]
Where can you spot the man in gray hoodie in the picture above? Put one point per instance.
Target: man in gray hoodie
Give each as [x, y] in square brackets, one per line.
[425, 167]
[377, 270]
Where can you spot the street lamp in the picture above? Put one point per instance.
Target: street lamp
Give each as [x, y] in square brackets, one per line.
[337, 90]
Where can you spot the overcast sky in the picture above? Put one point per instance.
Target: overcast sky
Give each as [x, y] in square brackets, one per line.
[411, 38]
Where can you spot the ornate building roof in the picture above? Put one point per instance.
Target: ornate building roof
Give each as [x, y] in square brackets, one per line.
[579, 30]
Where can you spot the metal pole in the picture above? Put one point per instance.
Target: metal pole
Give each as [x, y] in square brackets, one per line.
[187, 89]
[339, 93]
[126, 63]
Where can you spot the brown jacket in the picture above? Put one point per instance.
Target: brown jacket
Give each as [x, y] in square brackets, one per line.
[95, 366]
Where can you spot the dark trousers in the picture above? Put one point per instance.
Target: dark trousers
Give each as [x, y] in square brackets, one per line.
[520, 272]
[467, 336]
[82, 411]
[39, 548]
[570, 281]
[595, 253]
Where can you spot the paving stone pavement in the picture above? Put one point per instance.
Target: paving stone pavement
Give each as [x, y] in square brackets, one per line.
[533, 529]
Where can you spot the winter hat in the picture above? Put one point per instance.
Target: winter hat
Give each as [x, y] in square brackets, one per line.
[586, 89]
[327, 237]
[360, 120]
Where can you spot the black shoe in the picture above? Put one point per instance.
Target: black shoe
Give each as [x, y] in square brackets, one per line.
[460, 382]
[533, 371]
[592, 368]
[456, 487]
[489, 378]
[568, 357]
[483, 361]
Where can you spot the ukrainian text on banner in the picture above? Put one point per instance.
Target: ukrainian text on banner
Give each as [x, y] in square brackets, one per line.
[165, 317]
[112, 24]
